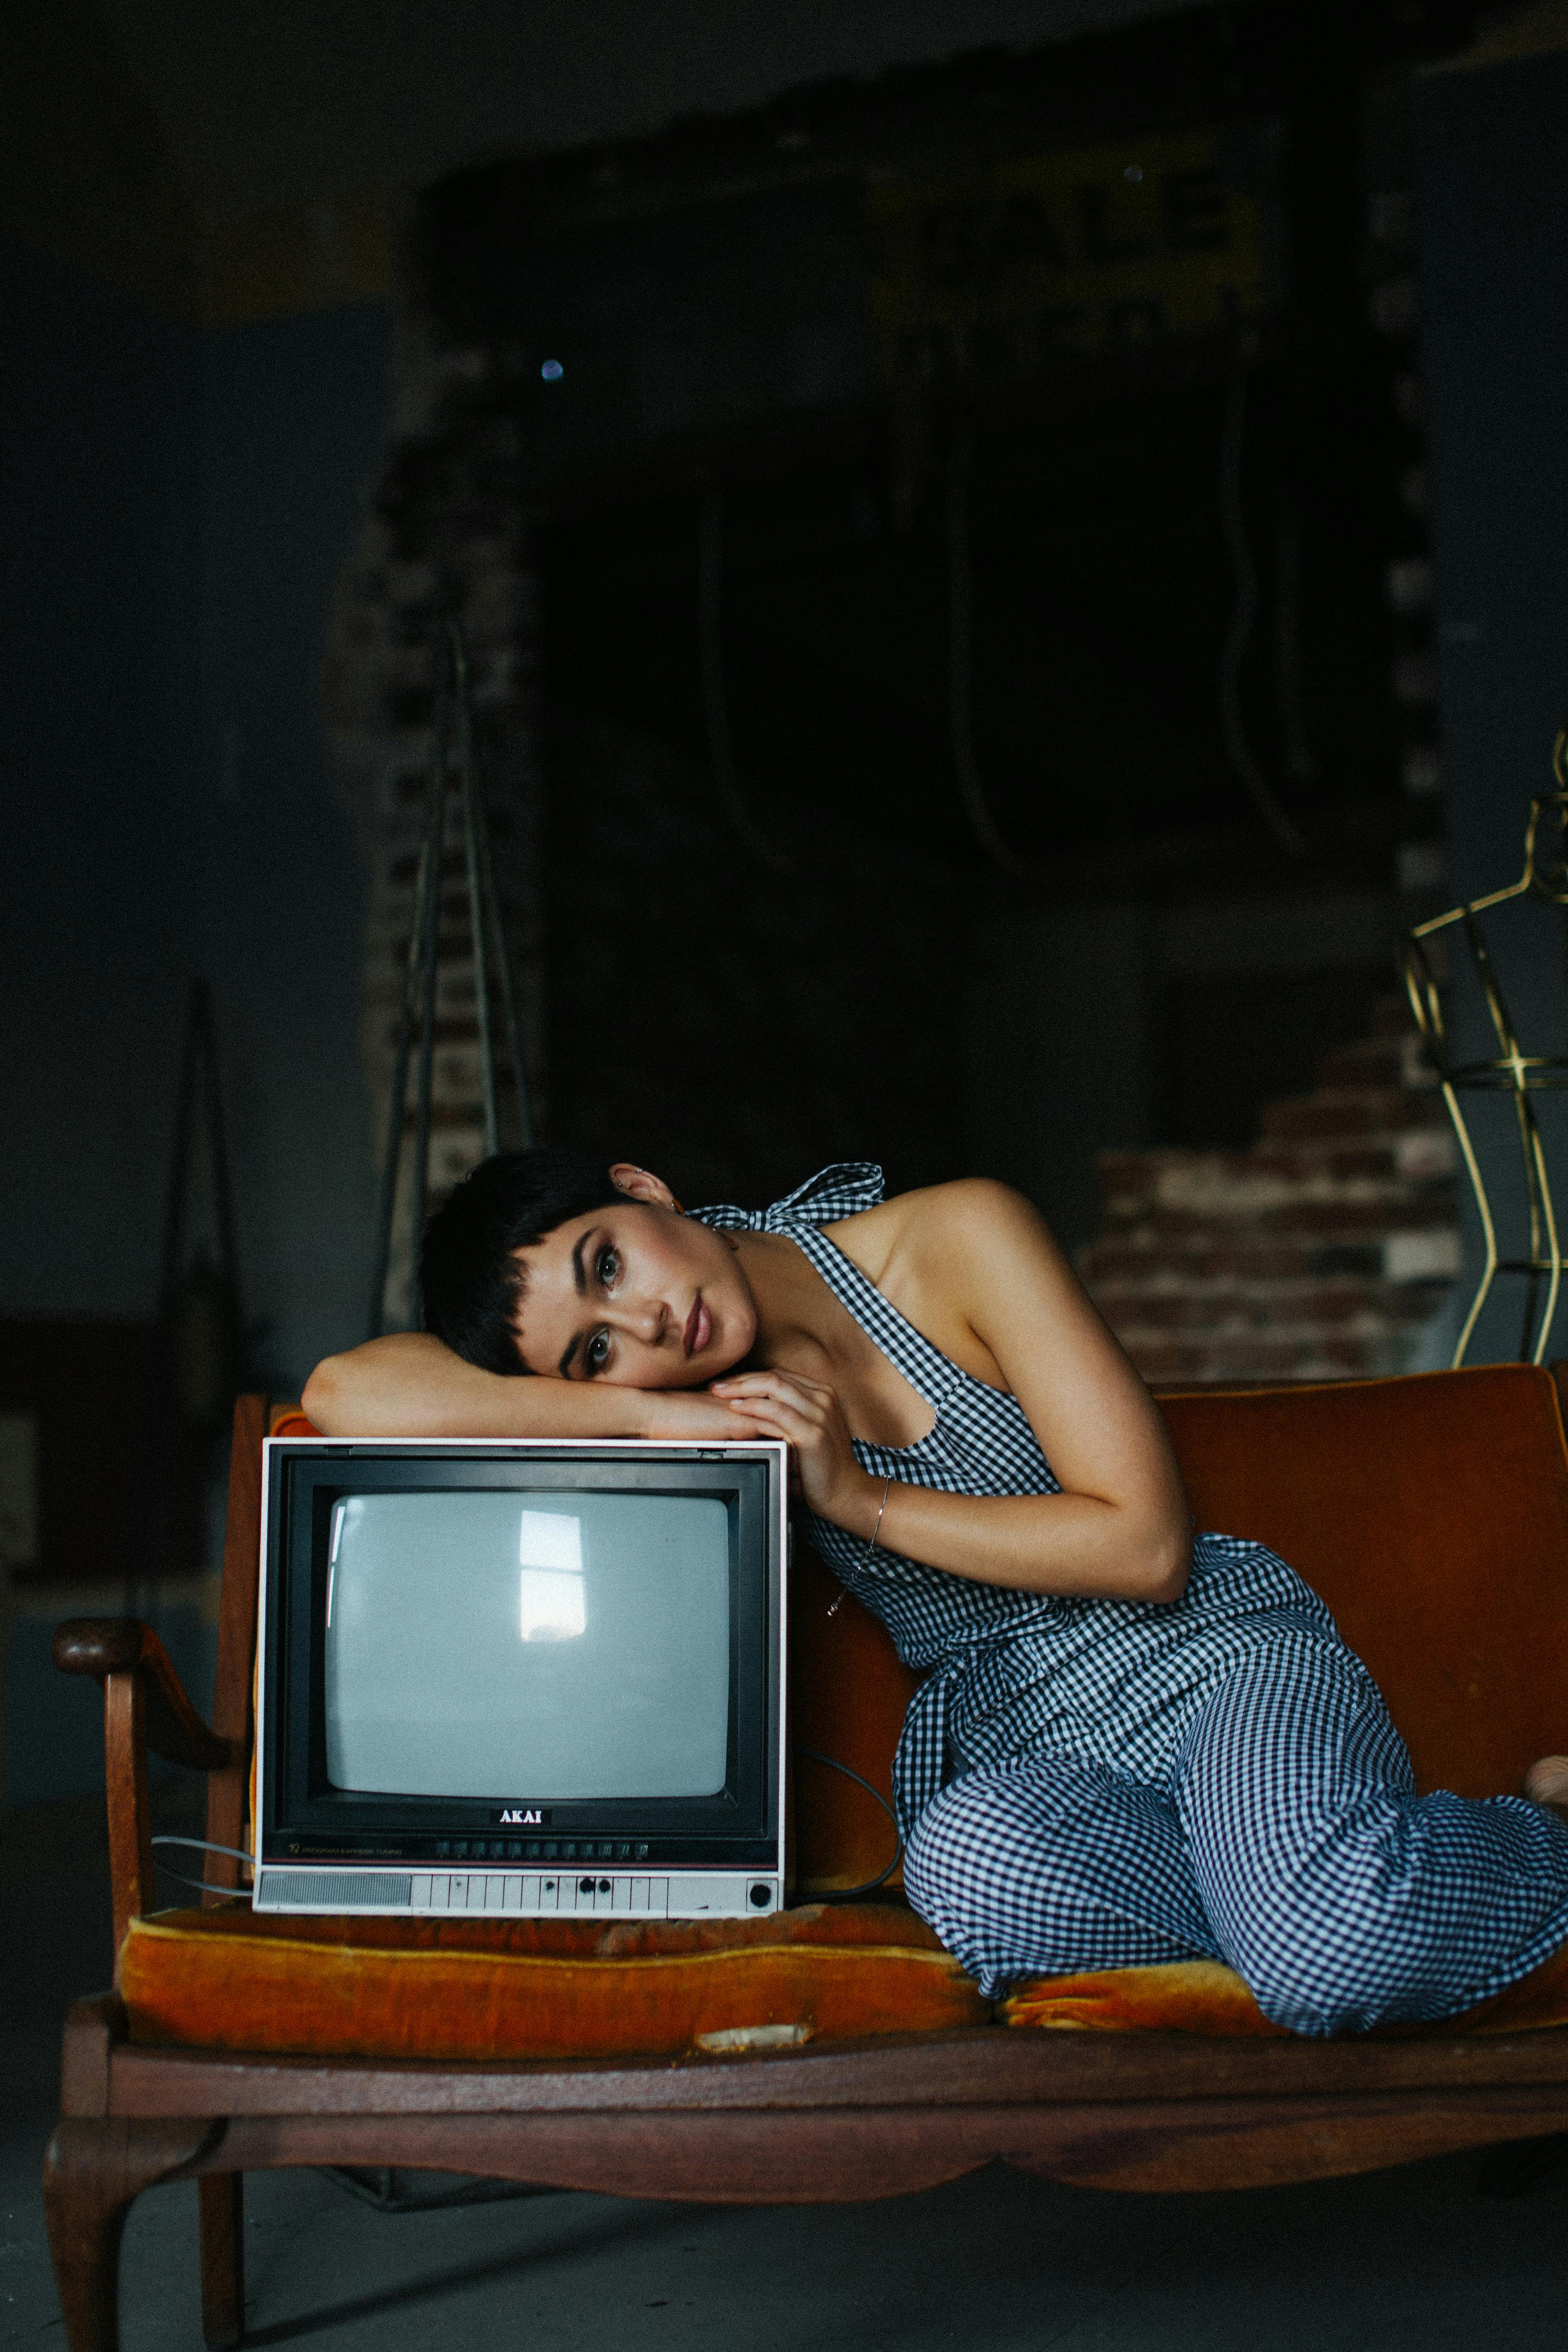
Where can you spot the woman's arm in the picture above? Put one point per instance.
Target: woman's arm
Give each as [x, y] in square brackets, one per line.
[974, 1261]
[411, 1385]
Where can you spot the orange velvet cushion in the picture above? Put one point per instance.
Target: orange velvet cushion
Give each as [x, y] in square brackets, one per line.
[1203, 1997]
[1431, 1513]
[473, 1990]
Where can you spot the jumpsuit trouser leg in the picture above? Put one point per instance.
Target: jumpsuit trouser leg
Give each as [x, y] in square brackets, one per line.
[1286, 1840]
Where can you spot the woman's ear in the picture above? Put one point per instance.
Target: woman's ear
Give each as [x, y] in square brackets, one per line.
[640, 1184]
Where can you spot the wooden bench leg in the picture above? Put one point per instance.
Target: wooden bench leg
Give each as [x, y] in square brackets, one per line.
[95, 2169]
[222, 2196]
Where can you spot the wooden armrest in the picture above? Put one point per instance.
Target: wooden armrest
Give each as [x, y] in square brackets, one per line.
[103, 1646]
[144, 1706]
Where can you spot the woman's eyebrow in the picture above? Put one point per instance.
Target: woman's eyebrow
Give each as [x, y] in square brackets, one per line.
[580, 1278]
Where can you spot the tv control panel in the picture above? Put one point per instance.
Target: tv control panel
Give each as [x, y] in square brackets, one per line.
[523, 1894]
[617, 1895]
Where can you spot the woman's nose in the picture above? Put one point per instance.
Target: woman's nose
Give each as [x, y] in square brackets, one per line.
[646, 1320]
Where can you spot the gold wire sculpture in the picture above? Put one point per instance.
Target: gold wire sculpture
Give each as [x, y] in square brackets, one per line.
[1511, 1072]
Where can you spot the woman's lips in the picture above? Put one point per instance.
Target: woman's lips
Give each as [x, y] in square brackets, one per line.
[699, 1327]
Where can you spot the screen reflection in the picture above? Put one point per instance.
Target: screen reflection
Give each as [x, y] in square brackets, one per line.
[551, 1550]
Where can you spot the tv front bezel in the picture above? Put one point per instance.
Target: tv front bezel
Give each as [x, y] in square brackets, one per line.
[741, 1828]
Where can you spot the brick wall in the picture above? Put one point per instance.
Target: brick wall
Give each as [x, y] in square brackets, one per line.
[1323, 1251]
[446, 533]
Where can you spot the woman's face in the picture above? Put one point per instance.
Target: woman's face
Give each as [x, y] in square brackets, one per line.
[634, 1295]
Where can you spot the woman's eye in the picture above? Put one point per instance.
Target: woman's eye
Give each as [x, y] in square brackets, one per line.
[606, 1267]
[596, 1354]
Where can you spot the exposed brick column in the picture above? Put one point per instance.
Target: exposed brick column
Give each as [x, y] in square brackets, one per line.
[446, 533]
[1319, 1253]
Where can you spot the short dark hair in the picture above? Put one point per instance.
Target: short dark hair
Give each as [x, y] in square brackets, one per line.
[469, 1275]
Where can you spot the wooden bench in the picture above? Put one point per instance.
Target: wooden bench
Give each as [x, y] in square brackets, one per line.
[1431, 1513]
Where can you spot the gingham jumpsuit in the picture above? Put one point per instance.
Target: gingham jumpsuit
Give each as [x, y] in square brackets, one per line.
[1092, 1784]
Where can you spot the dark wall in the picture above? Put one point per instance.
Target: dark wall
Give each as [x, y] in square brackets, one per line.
[98, 418]
[293, 416]
[732, 1025]
[178, 505]
[1492, 188]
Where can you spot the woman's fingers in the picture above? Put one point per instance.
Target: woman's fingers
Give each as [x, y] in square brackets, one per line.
[770, 1384]
[802, 1413]
[779, 1418]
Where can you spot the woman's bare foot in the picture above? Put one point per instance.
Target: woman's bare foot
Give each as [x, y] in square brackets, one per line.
[1546, 1783]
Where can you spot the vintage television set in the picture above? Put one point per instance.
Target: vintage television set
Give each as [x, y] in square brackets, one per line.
[522, 1676]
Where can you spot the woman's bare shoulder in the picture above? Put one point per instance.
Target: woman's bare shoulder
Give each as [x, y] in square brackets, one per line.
[943, 1255]
[970, 1212]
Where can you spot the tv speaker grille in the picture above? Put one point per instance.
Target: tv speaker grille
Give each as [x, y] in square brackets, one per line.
[349, 1890]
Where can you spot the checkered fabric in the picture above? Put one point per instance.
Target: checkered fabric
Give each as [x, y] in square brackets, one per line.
[1286, 1839]
[1009, 1671]
[1241, 1790]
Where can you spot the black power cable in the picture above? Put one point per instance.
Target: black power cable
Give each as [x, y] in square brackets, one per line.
[848, 1894]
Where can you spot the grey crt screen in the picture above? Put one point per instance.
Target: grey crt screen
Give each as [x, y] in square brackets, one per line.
[540, 1645]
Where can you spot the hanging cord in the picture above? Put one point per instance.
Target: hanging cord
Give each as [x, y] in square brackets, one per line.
[200, 1098]
[848, 1894]
[207, 1846]
[715, 710]
[1301, 762]
[1232, 447]
[960, 668]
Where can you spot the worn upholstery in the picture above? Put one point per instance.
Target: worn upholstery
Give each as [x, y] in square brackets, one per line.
[1205, 1996]
[1431, 1513]
[459, 1989]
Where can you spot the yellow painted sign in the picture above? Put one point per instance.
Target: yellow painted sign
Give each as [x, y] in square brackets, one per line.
[1000, 271]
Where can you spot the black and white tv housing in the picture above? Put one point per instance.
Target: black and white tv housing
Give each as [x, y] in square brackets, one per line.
[527, 1679]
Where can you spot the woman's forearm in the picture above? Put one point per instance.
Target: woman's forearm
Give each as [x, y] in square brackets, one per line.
[1077, 1545]
[410, 1385]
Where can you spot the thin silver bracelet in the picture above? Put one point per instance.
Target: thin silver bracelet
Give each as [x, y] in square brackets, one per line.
[853, 1579]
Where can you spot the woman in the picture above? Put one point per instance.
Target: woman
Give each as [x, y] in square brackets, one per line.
[1132, 1744]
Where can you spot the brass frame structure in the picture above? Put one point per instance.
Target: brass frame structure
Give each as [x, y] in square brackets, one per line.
[1512, 1071]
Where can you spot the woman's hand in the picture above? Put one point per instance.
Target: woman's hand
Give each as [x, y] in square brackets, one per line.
[810, 1419]
[684, 1412]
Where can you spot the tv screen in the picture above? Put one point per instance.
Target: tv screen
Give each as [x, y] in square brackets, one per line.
[568, 1645]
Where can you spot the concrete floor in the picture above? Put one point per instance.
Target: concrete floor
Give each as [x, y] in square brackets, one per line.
[1414, 2261]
